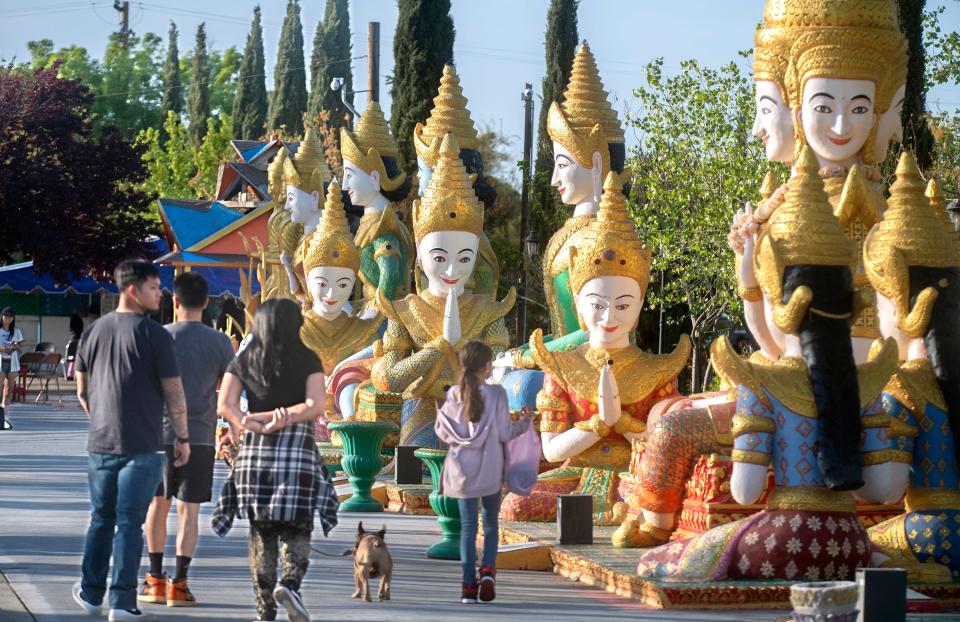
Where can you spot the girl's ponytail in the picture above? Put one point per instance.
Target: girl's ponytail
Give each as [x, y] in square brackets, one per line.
[473, 358]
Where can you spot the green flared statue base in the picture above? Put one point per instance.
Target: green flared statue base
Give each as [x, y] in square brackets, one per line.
[361, 460]
[446, 508]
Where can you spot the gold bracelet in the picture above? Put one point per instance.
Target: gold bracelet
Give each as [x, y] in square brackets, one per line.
[750, 294]
[595, 425]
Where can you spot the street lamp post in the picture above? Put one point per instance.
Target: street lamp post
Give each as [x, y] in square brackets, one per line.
[527, 98]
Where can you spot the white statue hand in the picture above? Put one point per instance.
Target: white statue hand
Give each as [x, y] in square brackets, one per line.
[285, 259]
[504, 359]
[451, 319]
[608, 396]
[748, 231]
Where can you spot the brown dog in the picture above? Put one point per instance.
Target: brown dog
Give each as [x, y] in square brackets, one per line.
[371, 559]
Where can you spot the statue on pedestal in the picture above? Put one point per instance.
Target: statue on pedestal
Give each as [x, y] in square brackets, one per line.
[913, 264]
[811, 414]
[331, 261]
[418, 353]
[586, 422]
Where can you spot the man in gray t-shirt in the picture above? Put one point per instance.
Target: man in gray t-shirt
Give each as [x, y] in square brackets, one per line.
[202, 355]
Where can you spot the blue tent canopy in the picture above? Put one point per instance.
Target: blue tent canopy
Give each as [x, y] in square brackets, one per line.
[21, 278]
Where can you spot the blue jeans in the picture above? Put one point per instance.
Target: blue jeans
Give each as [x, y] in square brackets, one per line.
[121, 488]
[468, 534]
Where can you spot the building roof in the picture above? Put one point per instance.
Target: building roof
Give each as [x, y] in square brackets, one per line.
[187, 222]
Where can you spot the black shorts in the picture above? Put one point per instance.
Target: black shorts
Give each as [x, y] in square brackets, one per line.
[193, 482]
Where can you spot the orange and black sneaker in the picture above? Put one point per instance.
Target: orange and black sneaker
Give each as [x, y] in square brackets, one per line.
[179, 595]
[154, 589]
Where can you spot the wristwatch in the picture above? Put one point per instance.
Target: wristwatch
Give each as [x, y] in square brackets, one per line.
[183, 440]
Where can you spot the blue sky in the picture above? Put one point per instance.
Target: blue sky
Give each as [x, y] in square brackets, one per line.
[499, 43]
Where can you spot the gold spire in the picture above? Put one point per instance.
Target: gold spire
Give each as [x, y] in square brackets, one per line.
[612, 244]
[938, 202]
[331, 243]
[769, 185]
[275, 175]
[910, 234]
[802, 231]
[449, 114]
[369, 143]
[308, 169]
[449, 202]
[585, 122]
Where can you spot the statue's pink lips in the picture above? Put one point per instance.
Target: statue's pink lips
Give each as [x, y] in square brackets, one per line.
[610, 329]
[449, 281]
[839, 141]
[329, 302]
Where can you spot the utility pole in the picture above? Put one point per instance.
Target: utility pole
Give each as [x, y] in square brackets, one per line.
[527, 98]
[373, 62]
[123, 7]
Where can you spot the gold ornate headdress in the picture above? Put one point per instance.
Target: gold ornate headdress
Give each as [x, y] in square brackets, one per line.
[275, 175]
[938, 203]
[331, 243]
[771, 55]
[585, 122]
[803, 231]
[449, 114]
[308, 170]
[449, 202]
[368, 143]
[612, 243]
[910, 234]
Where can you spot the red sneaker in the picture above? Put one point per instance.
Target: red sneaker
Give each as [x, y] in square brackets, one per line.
[468, 594]
[487, 591]
[154, 589]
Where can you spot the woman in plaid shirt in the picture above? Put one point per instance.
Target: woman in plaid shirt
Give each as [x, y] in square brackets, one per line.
[278, 480]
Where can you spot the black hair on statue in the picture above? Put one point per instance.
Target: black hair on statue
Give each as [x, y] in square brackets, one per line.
[943, 336]
[473, 162]
[832, 371]
[618, 160]
[393, 169]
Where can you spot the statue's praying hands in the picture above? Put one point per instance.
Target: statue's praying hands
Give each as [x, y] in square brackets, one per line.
[451, 318]
[608, 396]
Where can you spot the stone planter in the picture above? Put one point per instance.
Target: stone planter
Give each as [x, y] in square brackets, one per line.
[824, 601]
[446, 508]
[361, 460]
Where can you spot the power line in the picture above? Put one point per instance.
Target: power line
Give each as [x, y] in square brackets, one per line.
[50, 9]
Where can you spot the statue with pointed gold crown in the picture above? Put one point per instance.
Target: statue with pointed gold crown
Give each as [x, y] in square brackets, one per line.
[331, 262]
[277, 226]
[450, 115]
[425, 331]
[372, 179]
[913, 264]
[586, 421]
[304, 178]
[811, 414]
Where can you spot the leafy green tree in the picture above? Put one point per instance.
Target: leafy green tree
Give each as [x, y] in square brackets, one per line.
[331, 59]
[422, 45]
[250, 104]
[916, 132]
[198, 101]
[696, 164]
[214, 151]
[172, 88]
[942, 50]
[289, 99]
[560, 46]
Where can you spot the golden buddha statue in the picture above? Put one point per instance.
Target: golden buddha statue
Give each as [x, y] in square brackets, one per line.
[277, 224]
[585, 422]
[418, 353]
[450, 115]
[372, 179]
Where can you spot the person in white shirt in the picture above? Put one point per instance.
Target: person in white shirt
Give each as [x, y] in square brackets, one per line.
[10, 340]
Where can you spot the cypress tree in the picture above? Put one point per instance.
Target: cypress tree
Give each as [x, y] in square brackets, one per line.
[916, 133]
[198, 102]
[560, 48]
[172, 96]
[250, 103]
[332, 50]
[422, 45]
[289, 99]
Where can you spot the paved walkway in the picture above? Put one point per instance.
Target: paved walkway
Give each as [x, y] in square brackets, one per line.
[44, 514]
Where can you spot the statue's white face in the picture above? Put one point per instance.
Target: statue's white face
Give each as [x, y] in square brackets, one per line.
[330, 288]
[774, 122]
[610, 309]
[448, 259]
[887, 319]
[424, 173]
[837, 116]
[574, 182]
[890, 126]
[362, 187]
[302, 205]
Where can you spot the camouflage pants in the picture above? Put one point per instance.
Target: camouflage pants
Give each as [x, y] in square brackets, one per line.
[270, 541]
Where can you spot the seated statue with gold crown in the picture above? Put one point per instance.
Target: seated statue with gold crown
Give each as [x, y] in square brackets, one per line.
[912, 260]
[811, 414]
[331, 261]
[586, 421]
[417, 357]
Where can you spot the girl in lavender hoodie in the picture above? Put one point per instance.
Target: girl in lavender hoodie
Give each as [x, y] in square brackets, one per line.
[475, 424]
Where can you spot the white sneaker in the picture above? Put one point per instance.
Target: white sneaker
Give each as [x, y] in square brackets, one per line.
[121, 615]
[292, 602]
[91, 609]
